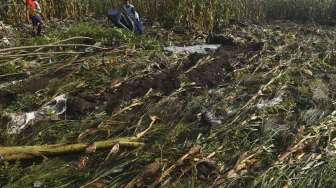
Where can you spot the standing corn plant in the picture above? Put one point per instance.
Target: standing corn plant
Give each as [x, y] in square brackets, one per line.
[203, 15]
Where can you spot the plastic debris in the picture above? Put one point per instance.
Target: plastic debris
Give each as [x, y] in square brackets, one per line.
[209, 118]
[20, 121]
[201, 49]
[57, 106]
[5, 41]
[5, 30]
[38, 184]
[270, 103]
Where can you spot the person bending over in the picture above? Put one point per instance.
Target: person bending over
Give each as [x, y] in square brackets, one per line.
[127, 17]
[34, 14]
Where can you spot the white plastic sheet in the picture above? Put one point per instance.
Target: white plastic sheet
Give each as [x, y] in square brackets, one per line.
[201, 49]
[20, 121]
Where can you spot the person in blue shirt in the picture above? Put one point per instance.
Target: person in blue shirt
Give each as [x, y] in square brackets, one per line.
[130, 10]
[127, 17]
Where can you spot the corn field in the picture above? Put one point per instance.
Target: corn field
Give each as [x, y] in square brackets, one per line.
[194, 13]
[213, 93]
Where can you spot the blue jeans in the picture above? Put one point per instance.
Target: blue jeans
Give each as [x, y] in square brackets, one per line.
[36, 20]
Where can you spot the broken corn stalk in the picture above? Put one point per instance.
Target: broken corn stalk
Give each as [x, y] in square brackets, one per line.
[30, 152]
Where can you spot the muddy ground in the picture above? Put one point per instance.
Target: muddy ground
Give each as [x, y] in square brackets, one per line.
[257, 112]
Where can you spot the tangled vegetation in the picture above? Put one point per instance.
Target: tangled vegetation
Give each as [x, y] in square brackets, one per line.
[88, 105]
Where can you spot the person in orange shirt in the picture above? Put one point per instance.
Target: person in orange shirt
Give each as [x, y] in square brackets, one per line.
[34, 14]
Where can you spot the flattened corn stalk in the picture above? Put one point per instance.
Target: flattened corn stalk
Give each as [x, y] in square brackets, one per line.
[49, 46]
[41, 47]
[30, 152]
[44, 53]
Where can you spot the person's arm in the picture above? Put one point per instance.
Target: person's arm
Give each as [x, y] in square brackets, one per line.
[39, 11]
[37, 7]
[135, 13]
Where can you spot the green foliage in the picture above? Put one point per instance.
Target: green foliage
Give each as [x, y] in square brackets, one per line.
[100, 33]
[51, 173]
[8, 68]
[111, 36]
[314, 175]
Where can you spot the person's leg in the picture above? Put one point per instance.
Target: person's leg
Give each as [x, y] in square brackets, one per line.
[139, 27]
[127, 22]
[37, 24]
[34, 22]
[39, 29]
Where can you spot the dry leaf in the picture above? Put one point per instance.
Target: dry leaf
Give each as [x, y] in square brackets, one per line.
[115, 149]
[83, 161]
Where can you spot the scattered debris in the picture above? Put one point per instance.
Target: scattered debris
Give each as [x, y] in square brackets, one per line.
[7, 32]
[201, 49]
[270, 103]
[268, 91]
[52, 109]
[5, 42]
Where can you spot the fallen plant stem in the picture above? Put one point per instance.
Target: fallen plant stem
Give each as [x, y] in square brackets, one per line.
[154, 120]
[49, 46]
[192, 152]
[127, 108]
[37, 54]
[259, 93]
[30, 152]
[66, 40]
[58, 42]
[103, 124]
[244, 164]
